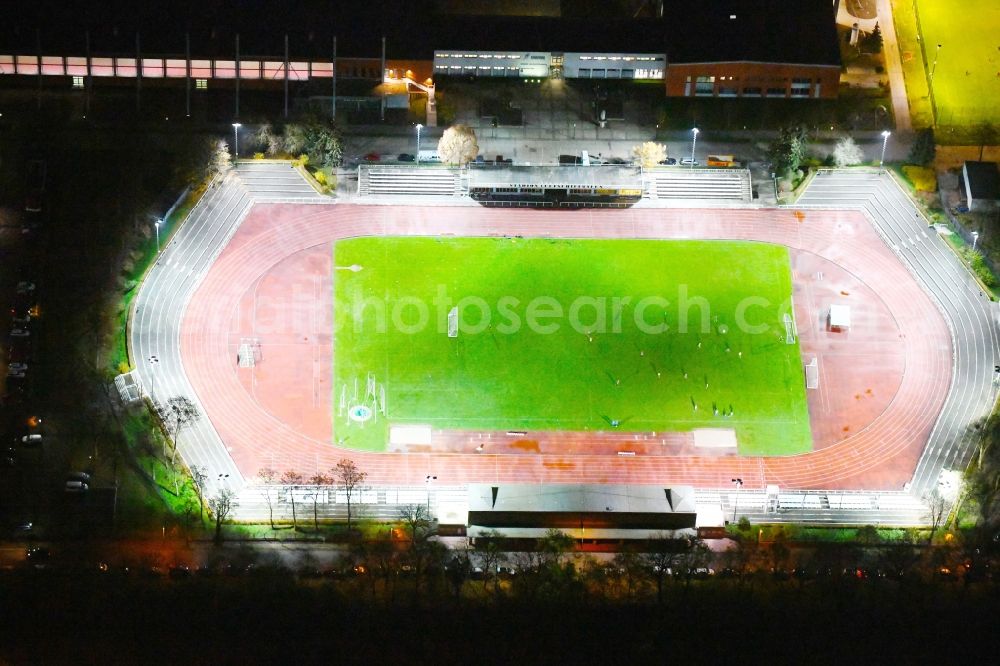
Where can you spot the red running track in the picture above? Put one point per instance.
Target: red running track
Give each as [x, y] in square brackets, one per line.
[882, 390]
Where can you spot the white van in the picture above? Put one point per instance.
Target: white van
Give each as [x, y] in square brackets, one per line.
[429, 156]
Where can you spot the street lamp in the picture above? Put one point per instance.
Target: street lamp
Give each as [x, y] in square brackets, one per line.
[739, 484]
[885, 140]
[428, 479]
[934, 65]
[154, 360]
[975, 239]
[157, 226]
[419, 127]
[236, 140]
[694, 142]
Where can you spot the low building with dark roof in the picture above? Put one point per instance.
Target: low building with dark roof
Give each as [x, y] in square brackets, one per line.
[982, 185]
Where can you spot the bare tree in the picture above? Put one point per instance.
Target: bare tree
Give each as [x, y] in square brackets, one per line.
[199, 476]
[416, 521]
[179, 412]
[490, 556]
[847, 152]
[317, 481]
[349, 479]
[937, 511]
[292, 479]
[270, 142]
[650, 153]
[661, 559]
[268, 477]
[458, 145]
[630, 566]
[221, 161]
[222, 505]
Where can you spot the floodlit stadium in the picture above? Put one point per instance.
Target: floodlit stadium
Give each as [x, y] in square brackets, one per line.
[828, 357]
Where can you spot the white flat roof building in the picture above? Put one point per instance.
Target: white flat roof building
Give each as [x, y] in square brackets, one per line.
[840, 316]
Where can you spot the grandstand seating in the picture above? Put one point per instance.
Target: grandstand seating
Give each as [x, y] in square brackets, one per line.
[699, 184]
[376, 179]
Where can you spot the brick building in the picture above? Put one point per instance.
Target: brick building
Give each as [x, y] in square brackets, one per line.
[766, 48]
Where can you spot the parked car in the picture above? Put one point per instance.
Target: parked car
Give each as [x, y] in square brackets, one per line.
[82, 477]
[670, 161]
[20, 333]
[21, 322]
[76, 487]
[372, 157]
[405, 157]
[16, 367]
[33, 202]
[32, 439]
[17, 374]
[25, 287]
[688, 162]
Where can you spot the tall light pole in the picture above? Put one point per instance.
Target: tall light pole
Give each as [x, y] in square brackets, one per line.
[156, 225]
[429, 478]
[236, 140]
[739, 484]
[885, 140]
[934, 65]
[419, 127]
[153, 362]
[975, 239]
[694, 142]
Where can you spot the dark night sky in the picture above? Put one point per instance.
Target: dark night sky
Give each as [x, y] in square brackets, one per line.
[702, 31]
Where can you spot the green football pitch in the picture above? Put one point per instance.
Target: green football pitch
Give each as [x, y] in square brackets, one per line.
[574, 335]
[967, 76]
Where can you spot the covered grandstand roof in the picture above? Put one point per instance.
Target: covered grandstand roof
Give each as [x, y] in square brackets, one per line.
[602, 511]
[558, 176]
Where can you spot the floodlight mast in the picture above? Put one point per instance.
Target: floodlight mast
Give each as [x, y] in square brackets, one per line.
[236, 140]
[885, 140]
[736, 503]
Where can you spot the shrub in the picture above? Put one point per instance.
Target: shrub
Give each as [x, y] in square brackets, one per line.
[847, 153]
[924, 179]
[978, 264]
[923, 149]
[650, 153]
[320, 177]
[258, 156]
[302, 160]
